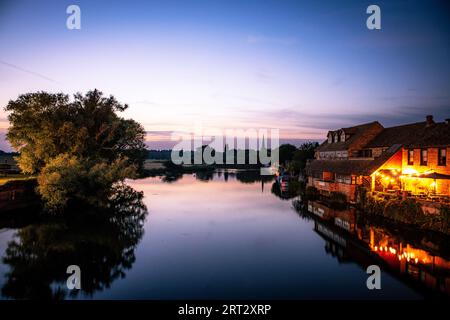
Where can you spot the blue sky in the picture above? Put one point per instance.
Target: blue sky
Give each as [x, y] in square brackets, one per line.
[301, 66]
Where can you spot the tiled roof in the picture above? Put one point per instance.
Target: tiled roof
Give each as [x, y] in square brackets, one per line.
[414, 135]
[350, 166]
[345, 167]
[354, 132]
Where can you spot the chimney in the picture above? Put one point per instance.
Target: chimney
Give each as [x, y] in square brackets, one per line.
[429, 120]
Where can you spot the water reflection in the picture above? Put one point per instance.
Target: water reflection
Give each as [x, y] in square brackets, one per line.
[101, 243]
[286, 192]
[228, 235]
[420, 259]
[244, 176]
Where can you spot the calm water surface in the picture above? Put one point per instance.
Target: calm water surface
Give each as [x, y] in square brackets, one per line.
[215, 236]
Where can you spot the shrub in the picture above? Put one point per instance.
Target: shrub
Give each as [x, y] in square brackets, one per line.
[444, 218]
[406, 211]
[67, 177]
[374, 205]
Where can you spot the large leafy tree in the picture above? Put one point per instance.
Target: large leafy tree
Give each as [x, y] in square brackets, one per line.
[82, 143]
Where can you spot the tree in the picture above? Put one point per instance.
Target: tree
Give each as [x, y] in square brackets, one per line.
[304, 153]
[286, 152]
[297, 157]
[82, 143]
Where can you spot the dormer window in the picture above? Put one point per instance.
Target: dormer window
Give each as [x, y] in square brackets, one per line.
[330, 137]
[333, 138]
[338, 137]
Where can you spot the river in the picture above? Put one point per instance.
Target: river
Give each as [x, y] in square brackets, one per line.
[224, 235]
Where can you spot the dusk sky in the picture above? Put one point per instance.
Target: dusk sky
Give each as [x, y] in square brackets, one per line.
[301, 66]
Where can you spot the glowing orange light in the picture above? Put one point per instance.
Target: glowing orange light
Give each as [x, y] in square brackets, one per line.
[409, 171]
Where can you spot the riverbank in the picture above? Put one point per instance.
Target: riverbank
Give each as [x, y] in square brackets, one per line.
[165, 168]
[242, 231]
[15, 177]
[18, 194]
[408, 211]
[421, 258]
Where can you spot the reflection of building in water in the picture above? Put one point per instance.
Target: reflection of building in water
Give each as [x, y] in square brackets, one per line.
[345, 219]
[417, 262]
[18, 194]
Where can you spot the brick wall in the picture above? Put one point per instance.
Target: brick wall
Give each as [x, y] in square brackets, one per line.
[347, 189]
[442, 186]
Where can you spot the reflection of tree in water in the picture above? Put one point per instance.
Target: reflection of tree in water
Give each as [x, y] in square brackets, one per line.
[172, 176]
[252, 177]
[206, 175]
[285, 195]
[103, 247]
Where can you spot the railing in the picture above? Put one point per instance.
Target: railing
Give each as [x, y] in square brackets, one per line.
[419, 197]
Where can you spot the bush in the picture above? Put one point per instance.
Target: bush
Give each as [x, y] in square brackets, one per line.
[67, 177]
[374, 205]
[412, 211]
[392, 210]
[406, 211]
[444, 219]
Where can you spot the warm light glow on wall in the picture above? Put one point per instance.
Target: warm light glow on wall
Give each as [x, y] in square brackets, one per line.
[410, 171]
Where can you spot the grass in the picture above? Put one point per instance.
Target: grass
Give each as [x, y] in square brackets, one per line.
[12, 177]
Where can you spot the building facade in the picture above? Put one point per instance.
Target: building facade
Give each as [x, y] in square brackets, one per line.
[410, 158]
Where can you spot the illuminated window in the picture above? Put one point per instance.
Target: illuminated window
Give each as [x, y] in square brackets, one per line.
[423, 157]
[410, 157]
[442, 157]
